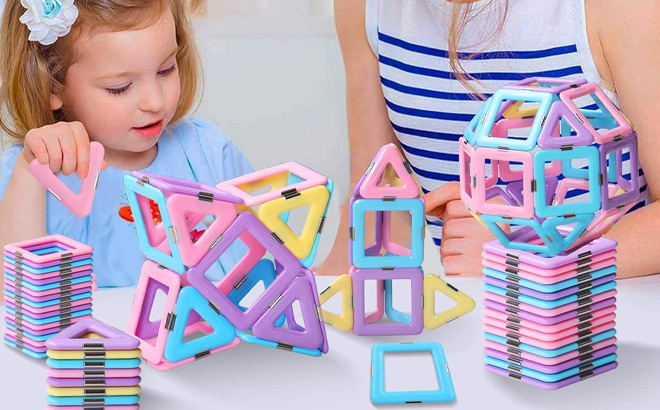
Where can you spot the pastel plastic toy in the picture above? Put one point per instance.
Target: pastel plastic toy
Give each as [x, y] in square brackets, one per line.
[583, 354]
[549, 320]
[61, 250]
[153, 334]
[101, 382]
[18, 345]
[567, 292]
[93, 391]
[548, 337]
[115, 354]
[551, 378]
[593, 263]
[552, 261]
[187, 203]
[343, 285]
[62, 279]
[223, 332]
[388, 186]
[371, 185]
[433, 284]
[166, 365]
[379, 395]
[93, 364]
[551, 304]
[556, 385]
[579, 323]
[57, 299]
[415, 323]
[400, 258]
[25, 295]
[79, 204]
[123, 407]
[137, 191]
[93, 374]
[290, 186]
[60, 270]
[180, 253]
[312, 336]
[549, 344]
[550, 369]
[62, 312]
[550, 352]
[277, 177]
[550, 312]
[317, 199]
[533, 133]
[246, 222]
[102, 401]
[379, 312]
[92, 335]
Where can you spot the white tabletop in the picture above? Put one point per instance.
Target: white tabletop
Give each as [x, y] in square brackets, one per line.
[254, 377]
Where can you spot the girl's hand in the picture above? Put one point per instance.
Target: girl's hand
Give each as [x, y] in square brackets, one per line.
[63, 146]
[462, 235]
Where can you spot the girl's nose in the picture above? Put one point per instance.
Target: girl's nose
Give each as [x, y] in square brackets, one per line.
[152, 99]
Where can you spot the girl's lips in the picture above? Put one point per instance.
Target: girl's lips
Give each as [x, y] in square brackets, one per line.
[150, 131]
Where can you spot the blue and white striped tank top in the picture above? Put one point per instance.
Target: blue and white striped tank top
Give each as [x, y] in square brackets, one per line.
[428, 108]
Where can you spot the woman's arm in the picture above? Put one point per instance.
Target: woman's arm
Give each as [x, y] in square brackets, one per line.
[625, 39]
[369, 127]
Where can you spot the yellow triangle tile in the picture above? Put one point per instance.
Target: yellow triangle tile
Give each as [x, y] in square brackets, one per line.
[343, 284]
[301, 246]
[433, 283]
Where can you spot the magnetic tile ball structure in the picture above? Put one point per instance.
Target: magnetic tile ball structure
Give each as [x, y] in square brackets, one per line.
[533, 162]
[389, 186]
[542, 167]
[251, 213]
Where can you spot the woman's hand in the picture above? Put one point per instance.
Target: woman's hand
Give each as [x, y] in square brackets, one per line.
[462, 235]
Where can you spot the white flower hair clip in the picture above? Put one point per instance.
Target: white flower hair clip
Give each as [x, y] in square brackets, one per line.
[48, 20]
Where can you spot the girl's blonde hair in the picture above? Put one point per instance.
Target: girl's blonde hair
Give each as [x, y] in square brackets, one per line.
[463, 12]
[30, 72]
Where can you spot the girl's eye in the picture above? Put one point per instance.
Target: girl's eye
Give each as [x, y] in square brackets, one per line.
[118, 91]
[167, 70]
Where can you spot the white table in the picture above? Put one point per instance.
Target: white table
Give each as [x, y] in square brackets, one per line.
[253, 377]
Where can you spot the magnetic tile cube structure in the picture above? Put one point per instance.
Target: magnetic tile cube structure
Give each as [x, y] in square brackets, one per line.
[388, 186]
[200, 223]
[534, 160]
[537, 158]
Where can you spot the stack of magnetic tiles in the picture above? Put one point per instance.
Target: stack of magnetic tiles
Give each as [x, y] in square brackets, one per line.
[550, 320]
[550, 278]
[48, 287]
[179, 256]
[388, 186]
[93, 366]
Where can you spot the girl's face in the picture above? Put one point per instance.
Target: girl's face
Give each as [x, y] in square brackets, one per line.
[124, 86]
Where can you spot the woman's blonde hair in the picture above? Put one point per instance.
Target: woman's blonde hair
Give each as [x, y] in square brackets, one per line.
[463, 12]
[30, 72]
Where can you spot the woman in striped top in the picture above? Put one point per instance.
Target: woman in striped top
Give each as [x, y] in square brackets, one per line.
[417, 72]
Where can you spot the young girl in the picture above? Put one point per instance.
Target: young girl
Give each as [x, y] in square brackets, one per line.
[120, 72]
[417, 72]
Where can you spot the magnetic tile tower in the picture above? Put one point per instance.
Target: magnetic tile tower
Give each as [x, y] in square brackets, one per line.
[250, 213]
[93, 366]
[548, 179]
[388, 186]
[48, 287]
